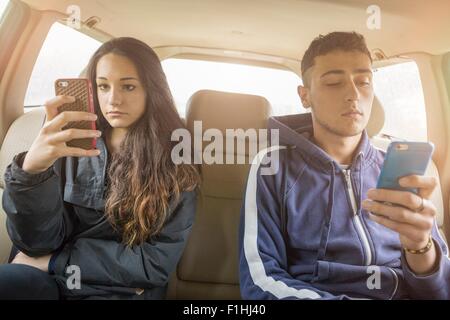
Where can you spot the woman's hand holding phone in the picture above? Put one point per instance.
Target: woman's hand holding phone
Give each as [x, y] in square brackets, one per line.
[50, 143]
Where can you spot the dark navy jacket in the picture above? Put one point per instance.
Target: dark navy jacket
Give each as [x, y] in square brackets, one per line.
[330, 248]
[61, 211]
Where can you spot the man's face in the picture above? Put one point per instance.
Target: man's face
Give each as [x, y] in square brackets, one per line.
[340, 92]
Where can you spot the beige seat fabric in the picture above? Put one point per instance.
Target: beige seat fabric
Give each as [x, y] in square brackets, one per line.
[20, 136]
[376, 121]
[209, 266]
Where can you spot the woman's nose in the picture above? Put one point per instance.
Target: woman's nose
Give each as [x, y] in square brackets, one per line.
[115, 98]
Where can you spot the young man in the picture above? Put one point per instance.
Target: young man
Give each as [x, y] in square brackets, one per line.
[306, 232]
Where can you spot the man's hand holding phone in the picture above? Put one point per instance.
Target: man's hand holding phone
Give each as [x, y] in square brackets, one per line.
[405, 207]
[411, 215]
[50, 144]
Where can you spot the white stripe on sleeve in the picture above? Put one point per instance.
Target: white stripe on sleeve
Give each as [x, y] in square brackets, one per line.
[267, 283]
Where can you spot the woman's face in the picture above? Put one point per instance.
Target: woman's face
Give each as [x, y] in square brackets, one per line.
[120, 92]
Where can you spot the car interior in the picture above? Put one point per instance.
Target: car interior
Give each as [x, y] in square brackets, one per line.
[264, 34]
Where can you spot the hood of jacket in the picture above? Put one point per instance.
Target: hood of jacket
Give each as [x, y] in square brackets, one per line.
[297, 131]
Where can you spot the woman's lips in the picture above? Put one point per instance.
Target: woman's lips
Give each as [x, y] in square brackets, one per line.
[115, 114]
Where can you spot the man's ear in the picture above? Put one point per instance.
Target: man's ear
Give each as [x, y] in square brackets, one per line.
[303, 93]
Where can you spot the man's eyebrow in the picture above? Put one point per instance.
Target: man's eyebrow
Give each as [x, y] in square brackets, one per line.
[338, 71]
[363, 70]
[121, 79]
[332, 72]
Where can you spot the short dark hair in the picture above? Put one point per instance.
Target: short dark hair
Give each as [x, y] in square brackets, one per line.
[344, 41]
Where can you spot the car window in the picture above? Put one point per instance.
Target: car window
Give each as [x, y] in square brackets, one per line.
[278, 86]
[3, 6]
[399, 90]
[64, 54]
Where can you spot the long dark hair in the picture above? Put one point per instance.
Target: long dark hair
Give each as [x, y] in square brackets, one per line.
[143, 178]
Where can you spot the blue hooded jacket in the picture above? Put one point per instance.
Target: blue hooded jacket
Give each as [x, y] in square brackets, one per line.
[325, 247]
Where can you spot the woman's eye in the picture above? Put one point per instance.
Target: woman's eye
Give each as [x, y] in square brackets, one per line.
[364, 84]
[102, 87]
[333, 84]
[129, 87]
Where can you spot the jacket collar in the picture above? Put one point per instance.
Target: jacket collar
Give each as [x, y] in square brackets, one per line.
[296, 130]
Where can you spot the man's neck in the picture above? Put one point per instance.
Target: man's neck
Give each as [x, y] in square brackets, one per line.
[114, 138]
[341, 149]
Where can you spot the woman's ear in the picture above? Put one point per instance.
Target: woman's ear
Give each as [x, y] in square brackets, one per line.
[303, 93]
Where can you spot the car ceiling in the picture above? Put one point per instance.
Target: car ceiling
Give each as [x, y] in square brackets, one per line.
[273, 27]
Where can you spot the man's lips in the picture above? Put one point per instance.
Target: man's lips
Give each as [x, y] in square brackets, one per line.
[352, 113]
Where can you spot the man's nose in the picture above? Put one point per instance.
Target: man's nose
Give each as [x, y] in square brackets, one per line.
[352, 93]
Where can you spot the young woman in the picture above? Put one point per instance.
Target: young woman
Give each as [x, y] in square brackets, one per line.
[110, 222]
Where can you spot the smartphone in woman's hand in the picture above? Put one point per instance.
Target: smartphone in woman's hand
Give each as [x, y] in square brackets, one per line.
[81, 90]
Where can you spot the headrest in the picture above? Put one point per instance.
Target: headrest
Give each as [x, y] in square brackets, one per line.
[376, 120]
[19, 137]
[226, 110]
[221, 111]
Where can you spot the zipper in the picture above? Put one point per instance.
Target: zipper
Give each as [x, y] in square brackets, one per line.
[357, 219]
[105, 150]
[396, 283]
